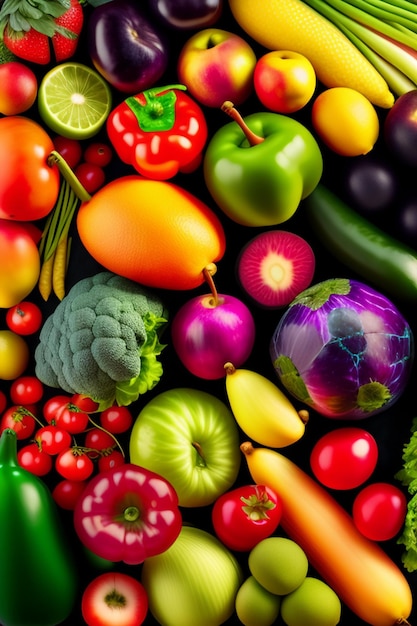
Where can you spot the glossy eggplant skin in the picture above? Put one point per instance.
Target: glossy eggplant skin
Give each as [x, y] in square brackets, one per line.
[187, 14]
[125, 47]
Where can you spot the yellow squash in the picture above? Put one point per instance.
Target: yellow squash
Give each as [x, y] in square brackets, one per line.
[262, 410]
[357, 569]
[293, 25]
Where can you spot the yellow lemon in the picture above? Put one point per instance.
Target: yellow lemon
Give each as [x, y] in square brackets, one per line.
[345, 120]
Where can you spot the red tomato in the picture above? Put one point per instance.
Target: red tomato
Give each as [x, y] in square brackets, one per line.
[53, 404]
[344, 458]
[20, 419]
[114, 592]
[379, 511]
[84, 403]
[60, 411]
[91, 176]
[98, 154]
[26, 390]
[3, 401]
[24, 318]
[19, 263]
[32, 458]
[116, 419]
[244, 516]
[67, 492]
[53, 439]
[74, 464]
[29, 186]
[109, 461]
[98, 440]
[69, 149]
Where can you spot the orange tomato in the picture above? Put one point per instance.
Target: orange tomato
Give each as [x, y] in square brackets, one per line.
[152, 232]
[14, 355]
[29, 187]
[19, 263]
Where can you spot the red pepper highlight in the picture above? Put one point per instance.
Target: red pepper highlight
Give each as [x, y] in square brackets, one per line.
[160, 132]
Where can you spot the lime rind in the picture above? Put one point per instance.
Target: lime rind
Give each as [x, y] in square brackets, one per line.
[74, 100]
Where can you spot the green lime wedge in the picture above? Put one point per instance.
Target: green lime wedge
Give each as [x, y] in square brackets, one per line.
[74, 100]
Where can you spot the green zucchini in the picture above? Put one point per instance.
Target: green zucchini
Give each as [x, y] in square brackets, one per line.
[367, 250]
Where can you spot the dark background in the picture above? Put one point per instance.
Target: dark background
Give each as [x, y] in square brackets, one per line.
[391, 428]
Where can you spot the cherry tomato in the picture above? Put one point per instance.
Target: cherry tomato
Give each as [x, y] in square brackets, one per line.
[344, 458]
[14, 355]
[109, 461]
[53, 404]
[99, 440]
[98, 154]
[20, 419]
[379, 511]
[69, 149]
[60, 411]
[116, 419]
[53, 439]
[32, 458]
[84, 403]
[29, 186]
[3, 401]
[74, 464]
[244, 516]
[67, 492]
[91, 176]
[26, 390]
[24, 318]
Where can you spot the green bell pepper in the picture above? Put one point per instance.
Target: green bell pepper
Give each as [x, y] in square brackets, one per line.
[258, 169]
[37, 571]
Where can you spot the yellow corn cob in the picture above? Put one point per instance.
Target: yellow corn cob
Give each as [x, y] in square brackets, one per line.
[293, 25]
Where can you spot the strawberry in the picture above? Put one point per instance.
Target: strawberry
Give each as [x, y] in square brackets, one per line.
[33, 29]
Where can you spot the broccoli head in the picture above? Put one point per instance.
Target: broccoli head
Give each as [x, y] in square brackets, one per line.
[102, 340]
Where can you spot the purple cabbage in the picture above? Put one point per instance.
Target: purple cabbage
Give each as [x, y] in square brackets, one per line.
[343, 349]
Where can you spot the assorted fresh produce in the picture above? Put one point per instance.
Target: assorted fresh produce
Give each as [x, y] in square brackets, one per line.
[254, 275]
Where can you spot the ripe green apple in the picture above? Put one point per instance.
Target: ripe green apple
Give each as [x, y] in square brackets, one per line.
[217, 65]
[191, 438]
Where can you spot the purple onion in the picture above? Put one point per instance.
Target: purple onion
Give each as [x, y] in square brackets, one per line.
[343, 349]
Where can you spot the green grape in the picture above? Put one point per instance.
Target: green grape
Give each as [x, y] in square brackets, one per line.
[278, 564]
[255, 606]
[313, 603]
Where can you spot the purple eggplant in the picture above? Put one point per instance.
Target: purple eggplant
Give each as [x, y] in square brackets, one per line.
[125, 47]
[187, 14]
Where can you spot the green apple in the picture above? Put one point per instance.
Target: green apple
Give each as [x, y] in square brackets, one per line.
[191, 438]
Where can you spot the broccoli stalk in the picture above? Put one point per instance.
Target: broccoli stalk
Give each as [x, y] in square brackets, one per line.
[102, 341]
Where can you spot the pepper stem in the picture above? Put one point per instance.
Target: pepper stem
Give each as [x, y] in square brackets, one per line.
[131, 514]
[8, 448]
[229, 108]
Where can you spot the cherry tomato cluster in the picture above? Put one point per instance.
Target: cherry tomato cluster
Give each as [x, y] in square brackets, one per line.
[65, 434]
[88, 163]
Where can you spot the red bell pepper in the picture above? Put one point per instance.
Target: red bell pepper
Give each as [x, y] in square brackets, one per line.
[127, 514]
[160, 131]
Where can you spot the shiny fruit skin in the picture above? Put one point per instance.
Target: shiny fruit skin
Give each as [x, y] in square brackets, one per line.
[279, 564]
[314, 603]
[19, 88]
[153, 232]
[19, 263]
[14, 355]
[255, 606]
[284, 81]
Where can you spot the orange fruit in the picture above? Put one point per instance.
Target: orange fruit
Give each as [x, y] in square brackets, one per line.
[152, 232]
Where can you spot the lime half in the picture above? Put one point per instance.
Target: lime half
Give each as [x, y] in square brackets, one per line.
[74, 100]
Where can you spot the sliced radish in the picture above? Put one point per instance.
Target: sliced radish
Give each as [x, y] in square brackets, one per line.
[274, 267]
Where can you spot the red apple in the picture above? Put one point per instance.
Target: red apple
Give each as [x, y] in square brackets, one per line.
[208, 332]
[284, 81]
[19, 88]
[217, 65]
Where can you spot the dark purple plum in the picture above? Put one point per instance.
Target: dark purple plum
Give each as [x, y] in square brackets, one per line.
[187, 14]
[125, 47]
[400, 128]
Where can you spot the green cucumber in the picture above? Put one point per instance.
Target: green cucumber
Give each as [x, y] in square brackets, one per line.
[364, 248]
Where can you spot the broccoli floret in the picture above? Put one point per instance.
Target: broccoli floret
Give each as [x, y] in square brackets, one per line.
[102, 340]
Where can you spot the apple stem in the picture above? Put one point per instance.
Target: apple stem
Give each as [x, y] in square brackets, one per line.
[229, 108]
[208, 272]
